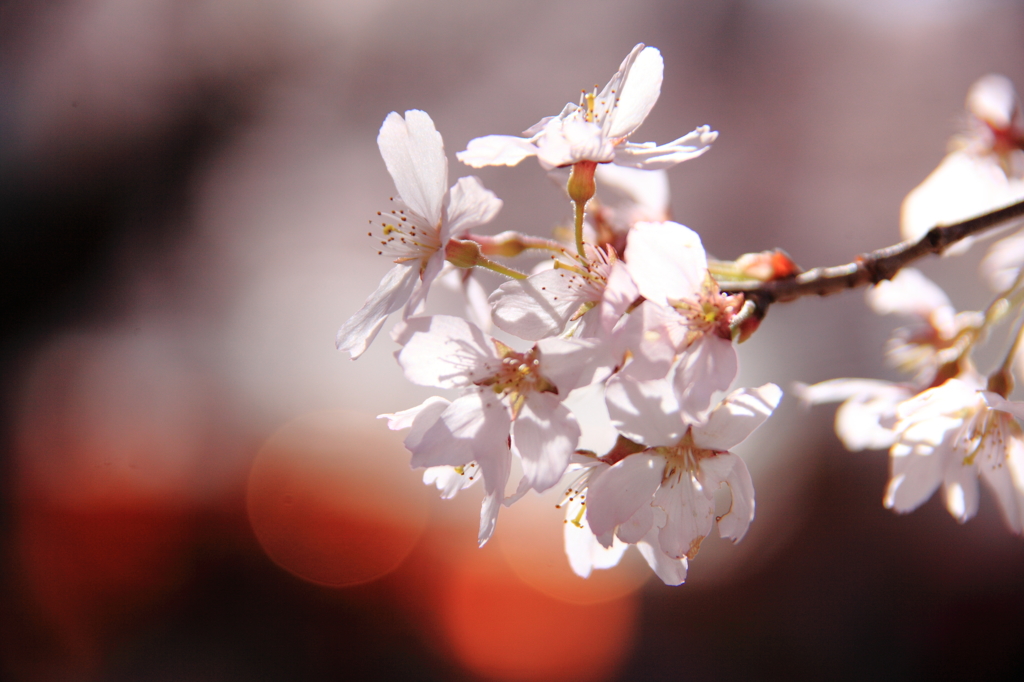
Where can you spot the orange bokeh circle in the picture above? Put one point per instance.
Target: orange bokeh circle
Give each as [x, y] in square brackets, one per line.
[332, 500]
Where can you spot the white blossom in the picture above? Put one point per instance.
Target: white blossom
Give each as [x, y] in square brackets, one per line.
[598, 128]
[664, 495]
[416, 231]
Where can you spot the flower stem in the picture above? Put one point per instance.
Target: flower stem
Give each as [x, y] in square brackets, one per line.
[484, 262]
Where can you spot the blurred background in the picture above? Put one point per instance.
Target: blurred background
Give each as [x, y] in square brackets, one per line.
[193, 485]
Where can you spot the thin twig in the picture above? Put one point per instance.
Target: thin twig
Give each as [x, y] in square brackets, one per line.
[869, 268]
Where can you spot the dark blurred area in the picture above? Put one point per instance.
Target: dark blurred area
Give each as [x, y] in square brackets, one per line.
[193, 485]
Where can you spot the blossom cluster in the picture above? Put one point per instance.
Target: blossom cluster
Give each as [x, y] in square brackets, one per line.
[947, 425]
[628, 309]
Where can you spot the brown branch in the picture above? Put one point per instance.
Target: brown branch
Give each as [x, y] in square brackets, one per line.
[869, 268]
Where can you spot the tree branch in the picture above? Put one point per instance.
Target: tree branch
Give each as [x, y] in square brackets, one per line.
[869, 268]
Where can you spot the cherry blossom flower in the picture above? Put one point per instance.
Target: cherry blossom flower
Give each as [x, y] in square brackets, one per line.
[952, 435]
[510, 402]
[418, 230]
[983, 172]
[664, 495]
[867, 413]
[546, 302]
[598, 128]
[686, 348]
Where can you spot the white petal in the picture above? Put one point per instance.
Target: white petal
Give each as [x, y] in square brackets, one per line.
[737, 417]
[536, 307]
[732, 470]
[960, 486]
[865, 421]
[709, 365]
[638, 525]
[908, 293]
[641, 87]
[616, 494]
[448, 479]
[691, 513]
[430, 272]
[666, 260]
[496, 150]
[431, 408]
[544, 435]
[962, 186]
[469, 429]
[644, 411]
[620, 292]
[567, 362]
[445, 351]
[1005, 476]
[414, 154]
[470, 205]
[916, 471]
[671, 571]
[651, 156]
[394, 291]
[495, 466]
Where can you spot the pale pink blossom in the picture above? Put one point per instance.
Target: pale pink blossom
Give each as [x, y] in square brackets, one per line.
[664, 495]
[951, 436]
[417, 229]
[510, 403]
[598, 128]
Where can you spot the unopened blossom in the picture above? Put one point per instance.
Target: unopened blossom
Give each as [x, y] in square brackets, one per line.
[598, 128]
[418, 229]
[664, 495]
[950, 436]
[984, 170]
[510, 403]
[686, 345]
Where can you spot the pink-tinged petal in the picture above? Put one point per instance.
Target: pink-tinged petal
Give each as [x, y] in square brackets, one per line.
[566, 141]
[916, 471]
[864, 422]
[418, 298]
[997, 402]
[425, 413]
[536, 307]
[638, 526]
[567, 363]
[671, 571]
[731, 470]
[666, 260]
[445, 351]
[736, 417]
[1004, 474]
[470, 205]
[691, 513]
[544, 435]
[962, 186]
[414, 154]
[582, 547]
[496, 150]
[632, 195]
[394, 291]
[450, 481]
[495, 463]
[471, 428]
[616, 494]
[620, 292]
[960, 488]
[644, 411]
[641, 88]
[709, 365]
[651, 156]
[908, 293]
